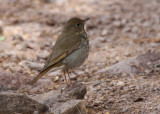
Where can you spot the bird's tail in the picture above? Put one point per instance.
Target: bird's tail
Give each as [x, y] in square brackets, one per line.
[43, 72]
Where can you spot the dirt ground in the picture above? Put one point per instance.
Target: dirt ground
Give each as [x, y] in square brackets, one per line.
[117, 30]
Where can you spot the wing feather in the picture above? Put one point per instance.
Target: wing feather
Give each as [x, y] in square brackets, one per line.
[64, 46]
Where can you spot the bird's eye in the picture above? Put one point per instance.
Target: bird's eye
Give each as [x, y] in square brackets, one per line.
[77, 24]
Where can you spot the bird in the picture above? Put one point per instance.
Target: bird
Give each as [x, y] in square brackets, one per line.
[70, 50]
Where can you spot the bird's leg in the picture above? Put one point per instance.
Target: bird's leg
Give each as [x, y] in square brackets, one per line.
[69, 78]
[67, 85]
[64, 71]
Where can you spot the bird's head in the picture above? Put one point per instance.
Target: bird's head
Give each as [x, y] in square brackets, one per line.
[75, 25]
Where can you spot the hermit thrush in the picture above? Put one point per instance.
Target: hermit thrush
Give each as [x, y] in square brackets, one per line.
[70, 50]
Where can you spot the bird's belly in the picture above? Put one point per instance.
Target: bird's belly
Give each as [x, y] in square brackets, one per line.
[77, 57]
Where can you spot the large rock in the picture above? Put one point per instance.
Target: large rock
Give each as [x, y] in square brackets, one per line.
[19, 103]
[18, 82]
[10, 81]
[141, 64]
[67, 102]
[69, 107]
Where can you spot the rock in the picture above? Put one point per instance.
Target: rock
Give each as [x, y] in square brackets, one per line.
[19, 103]
[126, 29]
[76, 92]
[104, 32]
[43, 55]
[23, 64]
[6, 65]
[31, 65]
[32, 45]
[117, 24]
[157, 107]
[58, 1]
[35, 66]
[10, 81]
[102, 39]
[18, 38]
[55, 76]
[146, 24]
[73, 76]
[55, 73]
[102, 70]
[53, 43]
[41, 86]
[21, 46]
[135, 29]
[70, 107]
[21, 83]
[67, 102]
[55, 1]
[1, 30]
[120, 83]
[135, 65]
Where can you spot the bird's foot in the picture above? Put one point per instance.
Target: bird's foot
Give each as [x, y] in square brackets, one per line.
[68, 87]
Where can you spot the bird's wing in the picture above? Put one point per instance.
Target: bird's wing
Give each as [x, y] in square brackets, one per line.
[63, 47]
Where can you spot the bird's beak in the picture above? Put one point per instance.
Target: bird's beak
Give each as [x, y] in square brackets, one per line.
[86, 19]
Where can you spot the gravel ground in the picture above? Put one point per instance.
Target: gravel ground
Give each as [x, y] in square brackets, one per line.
[118, 30]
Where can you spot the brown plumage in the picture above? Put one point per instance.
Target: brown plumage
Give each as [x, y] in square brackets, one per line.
[68, 48]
